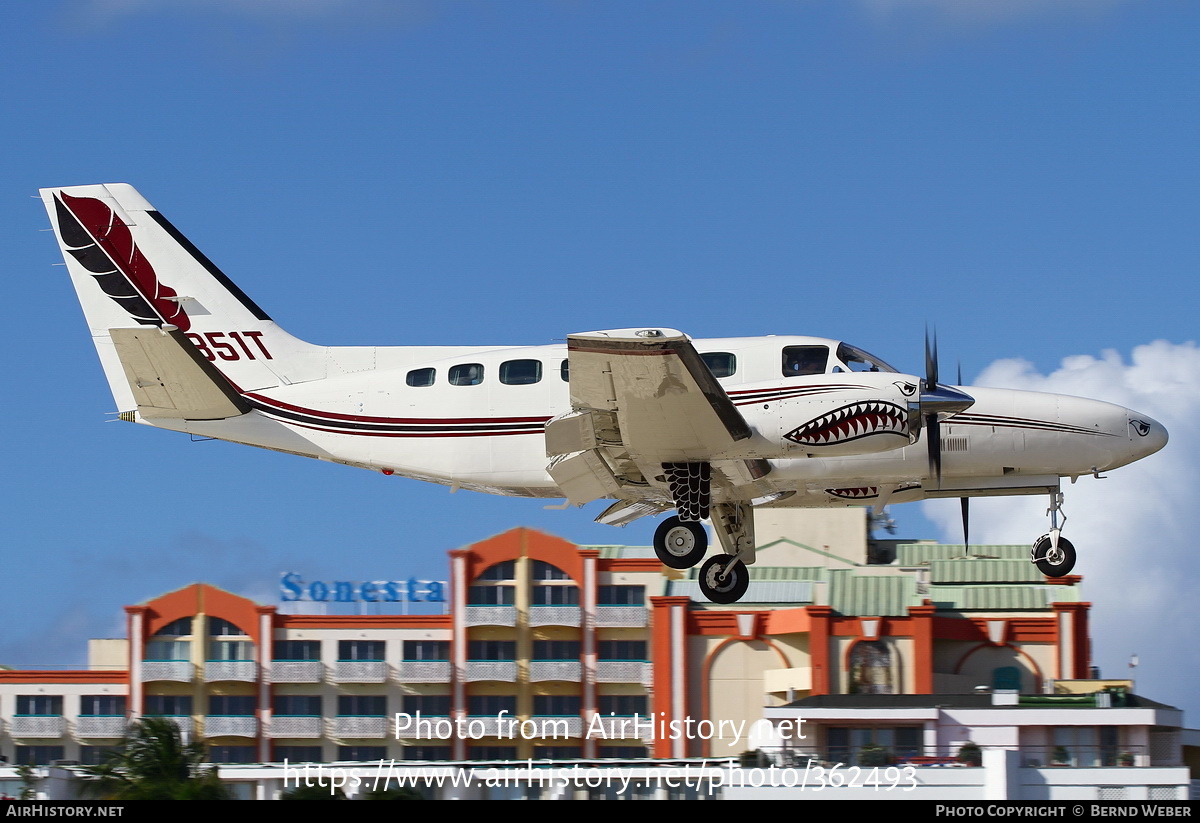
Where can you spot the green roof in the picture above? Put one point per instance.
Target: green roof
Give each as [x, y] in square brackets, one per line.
[1001, 598]
[871, 595]
[977, 570]
[918, 554]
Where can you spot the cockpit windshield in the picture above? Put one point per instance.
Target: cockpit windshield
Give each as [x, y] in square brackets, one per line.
[855, 359]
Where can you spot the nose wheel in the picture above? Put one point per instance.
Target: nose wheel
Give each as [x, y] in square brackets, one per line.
[724, 579]
[1053, 561]
[680, 544]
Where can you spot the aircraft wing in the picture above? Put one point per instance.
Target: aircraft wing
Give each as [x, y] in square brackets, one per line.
[642, 400]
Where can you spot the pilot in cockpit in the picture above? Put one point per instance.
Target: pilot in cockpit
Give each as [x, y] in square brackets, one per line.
[798, 360]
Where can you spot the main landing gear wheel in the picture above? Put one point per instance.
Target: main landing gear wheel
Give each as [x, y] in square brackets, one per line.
[680, 544]
[729, 590]
[1050, 562]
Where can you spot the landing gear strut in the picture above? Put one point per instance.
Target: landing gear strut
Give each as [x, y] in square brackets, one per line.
[680, 544]
[1053, 554]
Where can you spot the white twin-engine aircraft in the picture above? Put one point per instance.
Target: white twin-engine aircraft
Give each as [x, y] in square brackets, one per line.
[649, 418]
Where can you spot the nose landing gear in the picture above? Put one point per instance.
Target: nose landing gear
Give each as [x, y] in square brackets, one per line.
[1053, 554]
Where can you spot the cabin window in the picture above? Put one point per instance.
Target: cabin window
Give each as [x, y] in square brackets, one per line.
[520, 372]
[720, 363]
[564, 371]
[419, 378]
[466, 374]
[798, 360]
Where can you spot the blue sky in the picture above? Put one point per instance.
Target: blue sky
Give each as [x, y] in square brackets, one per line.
[1021, 175]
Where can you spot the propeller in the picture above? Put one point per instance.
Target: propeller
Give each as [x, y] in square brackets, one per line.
[936, 403]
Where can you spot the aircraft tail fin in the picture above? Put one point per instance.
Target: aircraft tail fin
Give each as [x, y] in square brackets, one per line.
[132, 269]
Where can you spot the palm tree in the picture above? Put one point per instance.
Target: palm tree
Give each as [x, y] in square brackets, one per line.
[155, 764]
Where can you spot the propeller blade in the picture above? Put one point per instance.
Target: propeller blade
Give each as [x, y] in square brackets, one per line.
[933, 438]
[965, 504]
[931, 360]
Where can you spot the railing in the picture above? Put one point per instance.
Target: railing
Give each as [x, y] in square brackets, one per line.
[101, 726]
[37, 725]
[621, 617]
[542, 670]
[555, 616]
[504, 671]
[230, 726]
[1083, 757]
[296, 671]
[178, 670]
[622, 671]
[361, 671]
[491, 615]
[241, 670]
[356, 727]
[287, 726]
[424, 671]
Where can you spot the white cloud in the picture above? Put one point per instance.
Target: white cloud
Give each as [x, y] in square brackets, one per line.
[1133, 529]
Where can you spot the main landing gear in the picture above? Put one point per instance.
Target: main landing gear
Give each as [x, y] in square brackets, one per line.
[681, 544]
[1053, 554]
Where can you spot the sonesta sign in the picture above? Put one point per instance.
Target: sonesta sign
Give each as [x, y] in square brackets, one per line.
[292, 587]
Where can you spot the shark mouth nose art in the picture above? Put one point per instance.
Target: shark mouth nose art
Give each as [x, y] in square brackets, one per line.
[852, 422]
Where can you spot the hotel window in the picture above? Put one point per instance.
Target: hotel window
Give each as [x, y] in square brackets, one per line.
[232, 754]
[506, 570]
[297, 650]
[362, 705]
[349, 650]
[427, 753]
[622, 595]
[490, 705]
[296, 705]
[844, 744]
[218, 627]
[168, 705]
[298, 754]
[622, 650]
[491, 650]
[490, 596]
[871, 669]
[231, 705]
[505, 753]
[102, 705]
[426, 650]
[159, 650]
[548, 571]
[556, 650]
[556, 596]
[362, 753]
[39, 705]
[556, 705]
[429, 705]
[97, 755]
[230, 650]
[622, 705]
[180, 627]
[38, 755]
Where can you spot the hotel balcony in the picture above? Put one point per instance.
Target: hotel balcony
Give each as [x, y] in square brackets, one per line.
[555, 616]
[360, 727]
[245, 671]
[623, 671]
[101, 726]
[300, 727]
[491, 615]
[621, 617]
[177, 670]
[37, 726]
[183, 722]
[424, 671]
[361, 671]
[296, 671]
[227, 726]
[504, 671]
[542, 670]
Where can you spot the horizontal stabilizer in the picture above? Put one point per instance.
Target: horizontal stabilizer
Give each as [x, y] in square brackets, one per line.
[170, 379]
